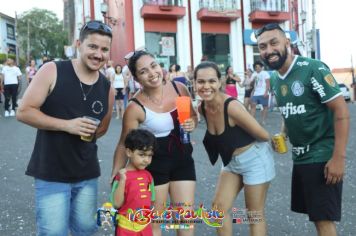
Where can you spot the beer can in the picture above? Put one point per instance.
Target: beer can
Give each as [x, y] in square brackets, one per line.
[279, 142]
[184, 136]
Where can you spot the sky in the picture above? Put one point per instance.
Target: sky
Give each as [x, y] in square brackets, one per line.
[20, 6]
[333, 18]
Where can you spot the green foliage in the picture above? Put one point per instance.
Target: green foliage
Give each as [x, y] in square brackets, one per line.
[3, 58]
[44, 31]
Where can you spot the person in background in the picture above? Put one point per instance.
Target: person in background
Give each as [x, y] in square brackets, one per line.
[1, 82]
[64, 161]
[259, 94]
[45, 59]
[31, 71]
[119, 84]
[243, 146]
[11, 80]
[164, 71]
[189, 75]
[316, 121]
[248, 84]
[133, 186]
[230, 82]
[110, 71]
[154, 108]
[180, 76]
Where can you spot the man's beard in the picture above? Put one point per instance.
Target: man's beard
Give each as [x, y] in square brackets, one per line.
[276, 65]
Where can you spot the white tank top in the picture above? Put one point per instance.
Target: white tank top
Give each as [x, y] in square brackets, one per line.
[160, 124]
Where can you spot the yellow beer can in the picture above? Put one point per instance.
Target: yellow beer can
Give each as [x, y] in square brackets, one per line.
[279, 142]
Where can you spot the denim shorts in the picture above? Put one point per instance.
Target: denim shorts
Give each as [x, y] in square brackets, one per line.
[255, 165]
[260, 100]
[64, 207]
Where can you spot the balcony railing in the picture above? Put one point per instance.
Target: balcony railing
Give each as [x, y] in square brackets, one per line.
[163, 2]
[219, 5]
[269, 5]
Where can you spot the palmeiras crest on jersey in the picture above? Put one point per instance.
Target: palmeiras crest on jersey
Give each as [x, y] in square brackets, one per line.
[297, 88]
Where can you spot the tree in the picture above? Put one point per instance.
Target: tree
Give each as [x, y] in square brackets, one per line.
[44, 33]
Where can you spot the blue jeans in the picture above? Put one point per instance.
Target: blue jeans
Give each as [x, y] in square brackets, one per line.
[61, 207]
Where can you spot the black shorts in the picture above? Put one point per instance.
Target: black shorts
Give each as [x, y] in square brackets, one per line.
[248, 93]
[311, 195]
[119, 95]
[172, 161]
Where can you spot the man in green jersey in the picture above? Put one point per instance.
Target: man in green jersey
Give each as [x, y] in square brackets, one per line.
[316, 120]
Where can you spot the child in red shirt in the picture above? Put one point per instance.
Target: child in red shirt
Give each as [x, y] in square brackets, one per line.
[133, 187]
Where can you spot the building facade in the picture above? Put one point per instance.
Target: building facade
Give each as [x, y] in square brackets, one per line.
[187, 31]
[7, 34]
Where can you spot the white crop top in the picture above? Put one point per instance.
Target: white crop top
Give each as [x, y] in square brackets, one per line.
[160, 124]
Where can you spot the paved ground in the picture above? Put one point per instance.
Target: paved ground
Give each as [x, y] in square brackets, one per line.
[17, 194]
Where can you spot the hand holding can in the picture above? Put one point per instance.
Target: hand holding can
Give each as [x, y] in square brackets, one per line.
[279, 143]
[183, 109]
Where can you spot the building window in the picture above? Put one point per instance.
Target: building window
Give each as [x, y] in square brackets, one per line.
[162, 46]
[216, 48]
[11, 48]
[10, 31]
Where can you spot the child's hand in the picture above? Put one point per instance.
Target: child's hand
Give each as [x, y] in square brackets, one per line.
[122, 174]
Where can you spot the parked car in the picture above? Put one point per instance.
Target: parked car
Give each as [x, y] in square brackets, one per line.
[345, 92]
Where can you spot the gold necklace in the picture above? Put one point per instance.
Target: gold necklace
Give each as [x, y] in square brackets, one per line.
[85, 94]
[155, 101]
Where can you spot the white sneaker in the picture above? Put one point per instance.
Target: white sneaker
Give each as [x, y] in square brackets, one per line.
[12, 113]
[7, 114]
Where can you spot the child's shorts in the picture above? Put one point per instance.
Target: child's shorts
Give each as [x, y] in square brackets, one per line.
[255, 165]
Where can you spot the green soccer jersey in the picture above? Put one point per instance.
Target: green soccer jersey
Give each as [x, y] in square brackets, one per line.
[301, 95]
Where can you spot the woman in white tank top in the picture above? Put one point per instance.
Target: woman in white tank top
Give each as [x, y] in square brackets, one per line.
[119, 85]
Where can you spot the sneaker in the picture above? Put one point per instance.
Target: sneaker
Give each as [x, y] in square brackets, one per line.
[12, 113]
[7, 114]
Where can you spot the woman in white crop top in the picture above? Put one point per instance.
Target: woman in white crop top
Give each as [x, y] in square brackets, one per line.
[154, 108]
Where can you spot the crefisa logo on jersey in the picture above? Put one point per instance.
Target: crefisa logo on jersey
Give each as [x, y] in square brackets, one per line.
[297, 88]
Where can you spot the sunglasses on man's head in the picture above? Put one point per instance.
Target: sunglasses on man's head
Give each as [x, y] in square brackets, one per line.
[130, 54]
[267, 27]
[98, 26]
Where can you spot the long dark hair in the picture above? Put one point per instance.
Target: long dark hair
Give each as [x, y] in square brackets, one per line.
[133, 60]
[207, 64]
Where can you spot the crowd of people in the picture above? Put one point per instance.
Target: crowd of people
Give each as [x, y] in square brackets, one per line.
[71, 104]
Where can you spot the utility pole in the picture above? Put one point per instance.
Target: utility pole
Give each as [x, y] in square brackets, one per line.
[17, 46]
[313, 48]
[353, 85]
[28, 41]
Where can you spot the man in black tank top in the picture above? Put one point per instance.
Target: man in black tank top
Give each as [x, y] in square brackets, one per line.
[64, 160]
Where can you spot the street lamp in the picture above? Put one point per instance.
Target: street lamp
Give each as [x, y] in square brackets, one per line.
[104, 10]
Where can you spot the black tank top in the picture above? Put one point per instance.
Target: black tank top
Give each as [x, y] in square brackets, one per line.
[226, 143]
[60, 156]
[230, 80]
